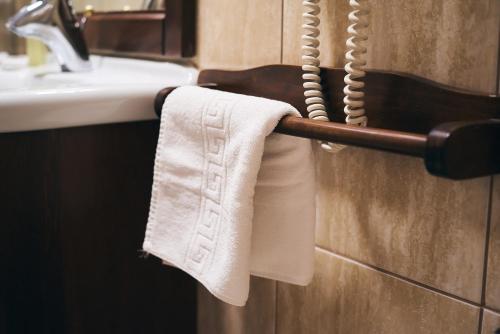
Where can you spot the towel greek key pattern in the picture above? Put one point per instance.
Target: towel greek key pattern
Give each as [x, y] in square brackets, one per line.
[203, 243]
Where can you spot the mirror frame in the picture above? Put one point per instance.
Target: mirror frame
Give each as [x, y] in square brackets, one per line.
[168, 33]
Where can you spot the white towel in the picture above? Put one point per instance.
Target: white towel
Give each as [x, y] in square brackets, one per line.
[217, 212]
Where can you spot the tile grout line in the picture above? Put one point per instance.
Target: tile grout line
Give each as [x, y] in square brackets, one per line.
[281, 62]
[480, 322]
[276, 307]
[486, 252]
[401, 278]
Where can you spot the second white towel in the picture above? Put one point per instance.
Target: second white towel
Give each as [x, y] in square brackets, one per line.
[229, 198]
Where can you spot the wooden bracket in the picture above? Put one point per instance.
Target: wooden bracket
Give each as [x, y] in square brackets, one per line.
[462, 150]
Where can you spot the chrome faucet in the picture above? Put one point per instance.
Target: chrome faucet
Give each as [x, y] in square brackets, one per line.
[53, 22]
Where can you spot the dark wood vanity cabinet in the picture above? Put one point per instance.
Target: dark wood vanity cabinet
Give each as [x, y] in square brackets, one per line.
[73, 210]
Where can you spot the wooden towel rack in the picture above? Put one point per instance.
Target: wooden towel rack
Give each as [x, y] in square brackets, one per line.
[456, 132]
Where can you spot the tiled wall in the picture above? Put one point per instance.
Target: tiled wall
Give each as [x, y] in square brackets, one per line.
[398, 250]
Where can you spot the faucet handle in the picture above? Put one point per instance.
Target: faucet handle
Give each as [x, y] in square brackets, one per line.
[71, 7]
[72, 29]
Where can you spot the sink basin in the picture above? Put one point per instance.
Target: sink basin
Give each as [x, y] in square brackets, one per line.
[117, 90]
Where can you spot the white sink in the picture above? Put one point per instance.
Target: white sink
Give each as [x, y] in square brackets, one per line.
[117, 90]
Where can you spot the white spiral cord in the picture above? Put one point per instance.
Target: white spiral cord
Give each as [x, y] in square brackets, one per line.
[313, 91]
[354, 96]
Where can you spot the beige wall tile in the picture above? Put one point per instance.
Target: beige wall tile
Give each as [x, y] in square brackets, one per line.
[258, 316]
[347, 298]
[491, 322]
[333, 32]
[450, 41]
[386, 210]
[493, 278]
[239, 34]
[453, 42]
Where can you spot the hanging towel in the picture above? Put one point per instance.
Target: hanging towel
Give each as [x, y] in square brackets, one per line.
[229, 198]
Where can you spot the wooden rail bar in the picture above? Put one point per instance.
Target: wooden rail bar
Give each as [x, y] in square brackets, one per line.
[380, 139]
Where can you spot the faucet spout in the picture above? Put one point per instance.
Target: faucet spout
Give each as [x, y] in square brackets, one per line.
[53, 22]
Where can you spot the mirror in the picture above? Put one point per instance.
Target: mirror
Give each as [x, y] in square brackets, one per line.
[136, 28]
[117, 5]
[168, 33]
